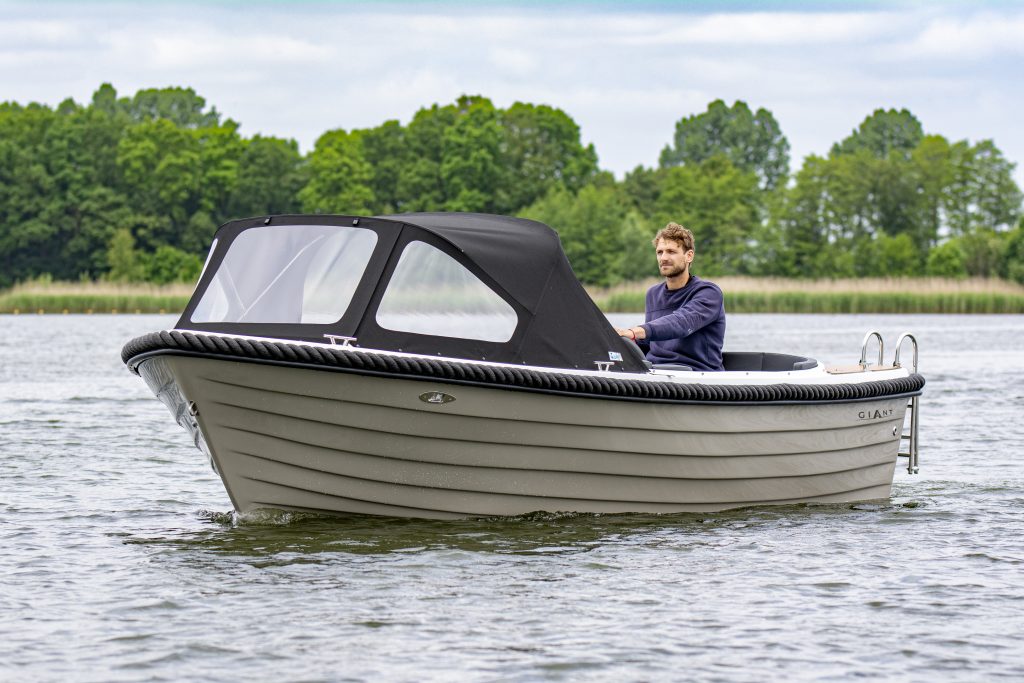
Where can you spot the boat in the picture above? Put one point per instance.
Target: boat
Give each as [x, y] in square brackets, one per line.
[450, 365]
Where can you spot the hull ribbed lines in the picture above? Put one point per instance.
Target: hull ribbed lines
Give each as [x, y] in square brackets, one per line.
[345, 452]
[360, 501]
[538, 497]
[489, 492]
[768, 436]
[560, 422]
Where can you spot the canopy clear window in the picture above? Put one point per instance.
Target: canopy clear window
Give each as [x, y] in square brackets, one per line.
[287, 274]
[432, 293]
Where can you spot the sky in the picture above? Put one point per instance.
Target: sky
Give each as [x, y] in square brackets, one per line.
[626, 72]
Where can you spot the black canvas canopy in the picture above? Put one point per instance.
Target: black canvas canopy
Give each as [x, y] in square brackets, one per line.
[556, 324]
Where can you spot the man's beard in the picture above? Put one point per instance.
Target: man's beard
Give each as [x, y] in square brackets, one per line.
[675, 273]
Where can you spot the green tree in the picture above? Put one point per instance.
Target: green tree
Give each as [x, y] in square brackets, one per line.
[271, 172]
[753, 142]
[1014, 256]
[472, 165]
[541, 149]
[888, 180]
[886, 256]
[719, 203]
[104, 100]
[884, 132]
[160, 167]
[981, 194]
[125, 263]
[385, 149]
[803, 234]
[947, 260]
[472, 156]
[220, 150]
[638, 260]
[26, 240]
[340, 176]
[984, 253]
[605, 240]
[167, 264]
[180, 106]
[198, 232]
[642, 187]
[932, 172]
[161, 171]
[420, 184]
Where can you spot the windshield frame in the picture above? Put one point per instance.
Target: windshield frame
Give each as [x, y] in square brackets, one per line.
[386, 233]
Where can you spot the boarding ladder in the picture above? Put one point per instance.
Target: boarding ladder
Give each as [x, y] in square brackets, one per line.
[910, 430]
[910, 433]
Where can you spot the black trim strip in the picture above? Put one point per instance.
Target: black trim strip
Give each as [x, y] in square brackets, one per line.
[506, 377]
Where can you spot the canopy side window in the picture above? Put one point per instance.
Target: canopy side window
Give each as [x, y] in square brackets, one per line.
[431, 293]
[287, 274]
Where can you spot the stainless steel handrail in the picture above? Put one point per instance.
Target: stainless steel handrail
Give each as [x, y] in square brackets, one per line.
[335, 338]
[864, 348]
[911, 437]
[899, 344]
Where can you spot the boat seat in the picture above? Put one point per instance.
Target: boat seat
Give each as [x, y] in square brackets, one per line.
[755, 361]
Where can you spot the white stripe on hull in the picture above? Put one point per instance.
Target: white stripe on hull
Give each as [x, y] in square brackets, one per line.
[338, 442]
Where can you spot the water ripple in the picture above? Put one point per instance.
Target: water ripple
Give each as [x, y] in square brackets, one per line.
[123, 561]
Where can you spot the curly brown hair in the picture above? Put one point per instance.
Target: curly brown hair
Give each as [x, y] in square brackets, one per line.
[676, 233]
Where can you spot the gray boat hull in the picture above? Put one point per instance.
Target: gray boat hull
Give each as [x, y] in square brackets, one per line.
[340, 442]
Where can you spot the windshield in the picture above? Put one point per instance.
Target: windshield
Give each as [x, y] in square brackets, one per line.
[287, 274]
[431, 293]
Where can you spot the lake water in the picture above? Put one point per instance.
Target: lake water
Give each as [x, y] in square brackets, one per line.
[120, 559]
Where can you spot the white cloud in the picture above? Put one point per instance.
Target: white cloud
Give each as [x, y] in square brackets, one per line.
[198, 51]
[514, 62]
[971, 38]
[33, 33]
[784, 29]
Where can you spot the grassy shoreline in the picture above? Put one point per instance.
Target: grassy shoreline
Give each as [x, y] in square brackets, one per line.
[43, 296]
[868, 295]
[742, 295]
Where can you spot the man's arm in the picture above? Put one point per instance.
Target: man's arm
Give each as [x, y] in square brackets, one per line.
[699, 311]
[636, 335]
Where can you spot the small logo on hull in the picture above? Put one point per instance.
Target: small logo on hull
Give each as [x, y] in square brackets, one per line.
[875, 414]
[436, 397]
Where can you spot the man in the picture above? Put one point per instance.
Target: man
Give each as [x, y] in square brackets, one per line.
[684, 321]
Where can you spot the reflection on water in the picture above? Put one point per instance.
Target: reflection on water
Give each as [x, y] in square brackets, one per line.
[122, 560]
[263, 533]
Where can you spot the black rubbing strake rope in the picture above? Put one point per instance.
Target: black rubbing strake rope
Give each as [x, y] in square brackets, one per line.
[509, 377]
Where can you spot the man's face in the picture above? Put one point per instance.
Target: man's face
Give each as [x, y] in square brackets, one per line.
[672, 260]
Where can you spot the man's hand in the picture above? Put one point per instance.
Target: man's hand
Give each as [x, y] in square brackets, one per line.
[631, 333]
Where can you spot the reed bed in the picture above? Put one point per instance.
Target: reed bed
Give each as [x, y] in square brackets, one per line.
[874, 295]
[742, 295]
[44, 296]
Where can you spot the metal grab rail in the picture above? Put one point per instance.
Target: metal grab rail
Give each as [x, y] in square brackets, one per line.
[911, 435]
[864, 348]
[899, 345]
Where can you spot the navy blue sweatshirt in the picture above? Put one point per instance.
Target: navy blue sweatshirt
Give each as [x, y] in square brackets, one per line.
[685, 325]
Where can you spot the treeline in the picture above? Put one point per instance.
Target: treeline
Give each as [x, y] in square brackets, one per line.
[132, 189]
